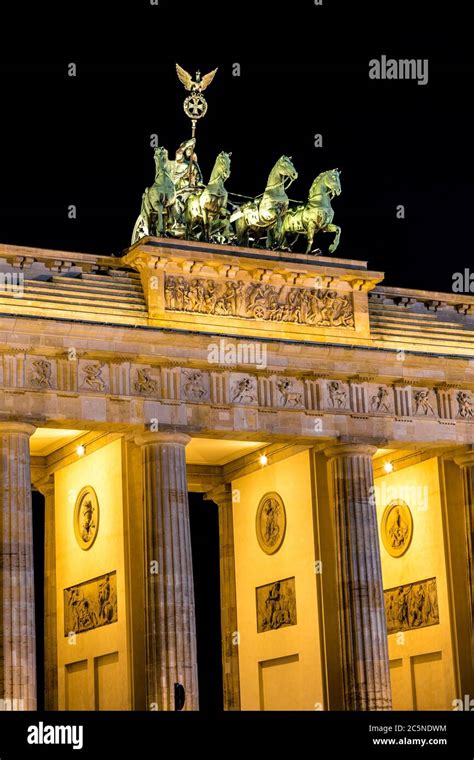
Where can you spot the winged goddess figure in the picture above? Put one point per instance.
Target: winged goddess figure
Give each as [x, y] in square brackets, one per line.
[200, 84]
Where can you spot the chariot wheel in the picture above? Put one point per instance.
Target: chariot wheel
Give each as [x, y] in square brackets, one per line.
[259, 312]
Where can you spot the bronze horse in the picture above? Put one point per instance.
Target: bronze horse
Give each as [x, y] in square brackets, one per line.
[266, 215]
[157, 200]
[207, 210]
[316, 215]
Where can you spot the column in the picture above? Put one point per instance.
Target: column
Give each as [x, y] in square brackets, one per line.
[466, 463]
[17, 602]
[170, 626]
[222, 496]
[361, 604]
[46, 487]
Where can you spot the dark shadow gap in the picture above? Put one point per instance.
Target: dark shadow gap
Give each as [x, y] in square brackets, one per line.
[38, 564]
[205, 551]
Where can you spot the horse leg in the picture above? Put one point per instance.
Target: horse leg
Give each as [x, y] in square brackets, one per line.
[271, 237]
[139, 226]
[189, 225]
[206, 225]
[145, 212]
[310, 237]
[274, 237]
[242, 231]
[159, 226]
[335, 242]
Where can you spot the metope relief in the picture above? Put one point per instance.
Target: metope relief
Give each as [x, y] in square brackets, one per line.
[90, 604]
[86, 517]
[243, 389]
[290, 393]
[270, 522]
[380, 399]
[93, 375]
[424, 402]
[257, 300]
[143, 381]
[195, 385]
[41, 373]
[412, 606]
[397, 528]
[336, 395]
[465, 404]
[276, 605]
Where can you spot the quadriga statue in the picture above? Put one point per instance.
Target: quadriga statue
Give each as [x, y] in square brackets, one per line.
[179, 205]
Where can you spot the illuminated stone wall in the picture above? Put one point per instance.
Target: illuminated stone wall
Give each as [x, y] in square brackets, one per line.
[280, 669]
[421, 659]
[92, 665]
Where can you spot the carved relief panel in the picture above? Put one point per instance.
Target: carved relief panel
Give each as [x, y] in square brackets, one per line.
[90, 604]
[93, 376]
[243, 389]
[145, 380]
[259, 300]
[41, 372]
[424, 402]
[380, 399]
[412, 606]
[276, 605]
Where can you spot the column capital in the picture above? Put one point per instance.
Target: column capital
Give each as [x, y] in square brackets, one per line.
[350, 449]
[15, 426]
[221, 494]
[161, 438]
[465, 460]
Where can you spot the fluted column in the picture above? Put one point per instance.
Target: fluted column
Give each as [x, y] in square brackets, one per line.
[222, 496]
[46, 487]
[466, 463]
[361, 604]
[17, 602]
[171, 655]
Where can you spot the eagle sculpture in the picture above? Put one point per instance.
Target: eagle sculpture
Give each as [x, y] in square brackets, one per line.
[195, 86]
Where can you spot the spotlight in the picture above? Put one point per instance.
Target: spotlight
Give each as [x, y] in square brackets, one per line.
[263, 460]
[81, 450]
[388, 467]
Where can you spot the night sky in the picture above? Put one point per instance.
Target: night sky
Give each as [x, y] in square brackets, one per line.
[85, 140]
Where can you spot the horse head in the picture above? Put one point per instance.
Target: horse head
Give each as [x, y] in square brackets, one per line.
[333, 181]
[221, 170]
[329, 179]
[161, 157]
[223, 163]
[286, 169]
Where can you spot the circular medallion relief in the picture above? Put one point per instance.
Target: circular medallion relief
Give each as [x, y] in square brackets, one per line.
[86, 517]
[397, 528]
[270, 522]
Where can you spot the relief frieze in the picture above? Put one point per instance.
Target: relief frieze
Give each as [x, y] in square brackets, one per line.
[258, 300]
